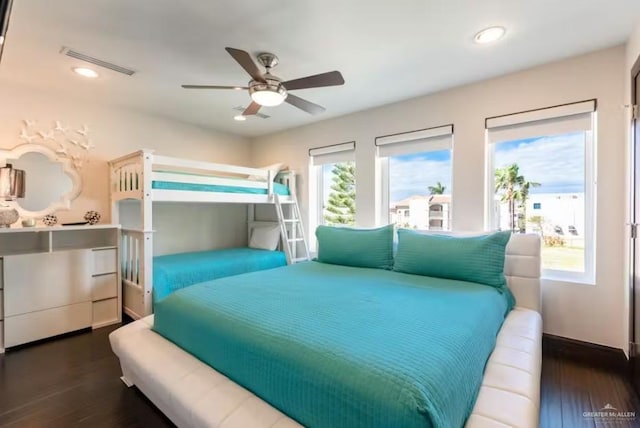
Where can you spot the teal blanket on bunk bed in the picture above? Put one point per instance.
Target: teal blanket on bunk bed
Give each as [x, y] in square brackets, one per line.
[278, 188]
[336, 346]
[175, 271]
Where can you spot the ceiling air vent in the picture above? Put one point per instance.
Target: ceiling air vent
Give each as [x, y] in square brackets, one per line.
[260, 115]
[96, 61]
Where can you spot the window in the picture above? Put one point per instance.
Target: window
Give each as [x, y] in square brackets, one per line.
[415, 168]
[541, 180]
[333, 184]
[338, 194]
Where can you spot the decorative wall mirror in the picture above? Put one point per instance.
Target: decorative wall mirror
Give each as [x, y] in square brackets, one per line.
[51, 182]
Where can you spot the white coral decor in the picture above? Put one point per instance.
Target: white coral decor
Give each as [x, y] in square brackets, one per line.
[8, 216]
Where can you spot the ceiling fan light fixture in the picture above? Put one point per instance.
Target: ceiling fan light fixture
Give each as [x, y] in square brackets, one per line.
[269, 94]
[268, 98]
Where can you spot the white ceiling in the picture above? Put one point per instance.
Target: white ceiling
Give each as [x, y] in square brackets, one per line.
[387, 50]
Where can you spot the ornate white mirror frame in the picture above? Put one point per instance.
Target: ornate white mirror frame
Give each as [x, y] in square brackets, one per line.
[64, 203]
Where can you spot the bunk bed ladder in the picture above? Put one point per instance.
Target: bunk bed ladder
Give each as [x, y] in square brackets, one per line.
[291, 230]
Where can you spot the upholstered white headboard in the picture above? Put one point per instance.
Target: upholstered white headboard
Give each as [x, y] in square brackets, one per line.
[522, 269]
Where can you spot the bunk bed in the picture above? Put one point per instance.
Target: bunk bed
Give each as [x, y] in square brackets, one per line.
[149, 178]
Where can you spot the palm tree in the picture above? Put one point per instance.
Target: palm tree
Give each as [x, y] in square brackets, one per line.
[513, 188]
[521, 195]
[438, 189]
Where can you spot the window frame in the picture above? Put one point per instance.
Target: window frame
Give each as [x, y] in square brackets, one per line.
[383, 169]
[320, 189]
[590, 194]
[346, 151]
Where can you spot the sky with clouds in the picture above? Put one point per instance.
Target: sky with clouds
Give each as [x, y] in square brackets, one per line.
[413, 174]
[556, 162]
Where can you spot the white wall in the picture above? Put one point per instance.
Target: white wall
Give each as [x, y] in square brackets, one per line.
[117, 131]
[593, 313]
[633, 47]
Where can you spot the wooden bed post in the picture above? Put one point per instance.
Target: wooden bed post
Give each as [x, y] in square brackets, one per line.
[113, 182]
[251, 217]
[146, 205]
[270, 178]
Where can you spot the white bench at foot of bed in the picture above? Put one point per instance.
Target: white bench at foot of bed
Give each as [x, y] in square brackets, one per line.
[192, 394]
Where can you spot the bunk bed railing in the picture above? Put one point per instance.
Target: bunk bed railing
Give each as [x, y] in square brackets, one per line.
[161, 163]
[137, 270]
[127, 175]
[287, 178]
[132, 175]
[132, 250]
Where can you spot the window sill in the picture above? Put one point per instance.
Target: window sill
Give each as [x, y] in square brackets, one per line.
[569, 277]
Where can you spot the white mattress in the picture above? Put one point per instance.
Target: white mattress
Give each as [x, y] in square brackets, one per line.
[192, 394]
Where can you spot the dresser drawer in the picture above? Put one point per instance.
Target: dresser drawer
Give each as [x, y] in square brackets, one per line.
[35, 282]
[104, 286]
[105, 312]
[105, 261]
[26, 328]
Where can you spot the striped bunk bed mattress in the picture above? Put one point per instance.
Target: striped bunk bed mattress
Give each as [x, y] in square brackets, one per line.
[278, 188]
[176, 271]
[334, 346]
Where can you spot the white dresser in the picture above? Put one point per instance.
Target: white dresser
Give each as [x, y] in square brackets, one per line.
[56, 280]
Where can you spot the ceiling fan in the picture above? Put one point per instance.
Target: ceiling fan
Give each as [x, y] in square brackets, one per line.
[269, 90]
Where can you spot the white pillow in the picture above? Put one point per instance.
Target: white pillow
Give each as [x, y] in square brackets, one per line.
[274, 168]
[265, 237]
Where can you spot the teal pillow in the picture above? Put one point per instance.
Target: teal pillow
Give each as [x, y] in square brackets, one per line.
[368, 248]
[477, 259]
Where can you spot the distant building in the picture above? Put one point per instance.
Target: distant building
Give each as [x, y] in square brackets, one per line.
[561, 214]
[422, 212]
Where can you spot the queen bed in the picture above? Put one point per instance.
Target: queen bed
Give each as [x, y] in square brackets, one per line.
[326, 345]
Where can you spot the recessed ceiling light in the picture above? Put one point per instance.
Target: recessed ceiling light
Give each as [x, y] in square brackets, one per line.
[239, 118]
[85, 72]
[489, 35]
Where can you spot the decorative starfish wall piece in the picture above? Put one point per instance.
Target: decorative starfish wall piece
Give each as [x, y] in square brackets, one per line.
[24, 135]
[62, 150]
[64, 140]
[84, 131]
[88, 145]
[47, 135]
[60, 128]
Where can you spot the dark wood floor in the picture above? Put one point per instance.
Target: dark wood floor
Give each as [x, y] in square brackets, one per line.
[71, 382]
[74, 382]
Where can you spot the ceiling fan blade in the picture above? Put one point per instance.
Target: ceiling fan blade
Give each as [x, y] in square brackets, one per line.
[244, 59]
[238, 88]
[252, 109]
[305, 105]
[332, 78]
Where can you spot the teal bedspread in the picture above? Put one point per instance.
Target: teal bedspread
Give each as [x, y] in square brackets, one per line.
[336, 346]
[175, 271]
[278, 188]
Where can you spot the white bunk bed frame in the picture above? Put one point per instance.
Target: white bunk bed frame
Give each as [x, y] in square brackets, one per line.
[131, 178]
